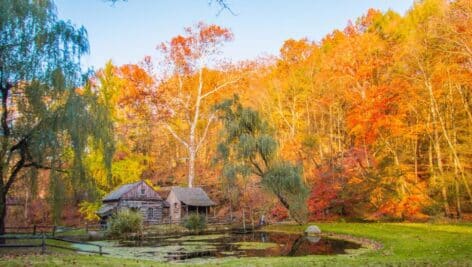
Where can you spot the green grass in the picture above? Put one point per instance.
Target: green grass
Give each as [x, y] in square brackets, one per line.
[404, 244]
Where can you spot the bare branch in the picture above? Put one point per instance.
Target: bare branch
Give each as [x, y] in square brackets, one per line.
[174, 134]
[205, 132]
[223, 6]
[219, 87]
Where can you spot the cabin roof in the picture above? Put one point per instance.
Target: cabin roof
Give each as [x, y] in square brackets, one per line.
[192, 196]
[118, 193]
[106, 209]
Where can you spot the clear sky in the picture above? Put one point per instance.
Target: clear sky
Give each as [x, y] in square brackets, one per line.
[127, 31]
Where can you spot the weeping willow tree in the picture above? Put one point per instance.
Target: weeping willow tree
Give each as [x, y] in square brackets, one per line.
[46, 122]
[249, 148]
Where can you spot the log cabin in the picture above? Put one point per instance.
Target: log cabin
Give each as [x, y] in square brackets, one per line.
[186, 200]
[138, 196]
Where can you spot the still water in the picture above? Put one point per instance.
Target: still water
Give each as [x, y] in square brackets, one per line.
[218, 245]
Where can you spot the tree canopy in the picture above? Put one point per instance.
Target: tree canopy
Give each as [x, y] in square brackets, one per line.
[46, 122]
[249, 148]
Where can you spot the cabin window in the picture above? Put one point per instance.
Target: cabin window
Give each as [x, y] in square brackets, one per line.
[176, 207]
[150, 213]
[143, 191]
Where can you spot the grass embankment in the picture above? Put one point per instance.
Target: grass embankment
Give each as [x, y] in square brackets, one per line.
[403, 244]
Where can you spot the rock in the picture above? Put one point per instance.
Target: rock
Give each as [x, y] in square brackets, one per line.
[313, 239]
[312, 230]
[95, 235]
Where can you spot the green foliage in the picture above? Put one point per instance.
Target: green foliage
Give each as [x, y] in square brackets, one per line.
[47, 123]
[194, 222]
[284, 180]
[125, 222]
[36, 46]
[249, 148]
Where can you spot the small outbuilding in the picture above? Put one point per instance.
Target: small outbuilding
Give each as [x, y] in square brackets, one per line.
[138, 196]
[186, 200]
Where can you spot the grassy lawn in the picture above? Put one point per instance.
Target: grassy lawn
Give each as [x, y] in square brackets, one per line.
[403, 244]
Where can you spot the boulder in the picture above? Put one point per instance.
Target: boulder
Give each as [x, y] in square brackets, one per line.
[95, 235]
[312, 230]
[313, 239]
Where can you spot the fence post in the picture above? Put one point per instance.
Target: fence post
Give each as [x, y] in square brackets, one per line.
[53, 231]
[100, 250]
[34, 229]
[86, 227]
[43, 244]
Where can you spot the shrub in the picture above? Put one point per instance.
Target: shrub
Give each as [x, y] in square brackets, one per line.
[194, 222]
[124, 223]
[433, 209]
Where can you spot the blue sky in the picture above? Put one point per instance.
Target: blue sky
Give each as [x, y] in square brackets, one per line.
[127, 31]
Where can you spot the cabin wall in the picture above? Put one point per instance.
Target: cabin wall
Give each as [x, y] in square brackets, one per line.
[175, 209]
[151, 210]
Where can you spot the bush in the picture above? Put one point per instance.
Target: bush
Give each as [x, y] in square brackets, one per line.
[194, 222]
[433, 209]
[124, 223]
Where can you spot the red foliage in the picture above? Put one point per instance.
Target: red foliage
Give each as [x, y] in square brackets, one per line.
[407, 208]
[324, 196]
[185, 50]
[279, 213]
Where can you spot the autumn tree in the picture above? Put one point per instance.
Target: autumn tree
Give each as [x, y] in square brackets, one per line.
[187, 56]
[128, 93]
[439, 77]
[42, 113]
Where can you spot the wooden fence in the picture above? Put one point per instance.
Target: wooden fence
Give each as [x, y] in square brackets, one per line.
[43, 244]
[33, 229]
[48, 229]
[209, 220]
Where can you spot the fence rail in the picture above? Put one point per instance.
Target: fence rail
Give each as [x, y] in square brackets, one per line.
[43, 245]
[56, 229]
[34, 229]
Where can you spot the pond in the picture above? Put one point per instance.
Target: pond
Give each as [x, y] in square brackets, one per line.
[255, 244]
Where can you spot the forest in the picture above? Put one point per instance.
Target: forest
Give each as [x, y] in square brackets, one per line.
[371, 123]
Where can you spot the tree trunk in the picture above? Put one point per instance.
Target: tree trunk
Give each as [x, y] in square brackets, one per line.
[458, 197]
[231, 210]
[434, 177]
[441, 178]
[452, 148]
[251, 215]
[244, 221]
[191, 166]
[3, 213]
